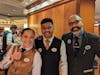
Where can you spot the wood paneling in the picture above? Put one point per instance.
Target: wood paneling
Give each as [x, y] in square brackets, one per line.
[87, 12]
[69, 8]
[60, 14]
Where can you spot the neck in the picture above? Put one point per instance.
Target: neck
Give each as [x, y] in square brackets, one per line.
[28, 48]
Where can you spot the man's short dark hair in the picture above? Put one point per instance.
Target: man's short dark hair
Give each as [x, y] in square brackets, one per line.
[13, 27]
[45, 20]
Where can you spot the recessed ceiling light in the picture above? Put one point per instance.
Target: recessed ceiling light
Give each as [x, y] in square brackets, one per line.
[8, 14]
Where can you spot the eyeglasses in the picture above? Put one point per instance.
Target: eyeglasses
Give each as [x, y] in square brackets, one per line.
[75, 22]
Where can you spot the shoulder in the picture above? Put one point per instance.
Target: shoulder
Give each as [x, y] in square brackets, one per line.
[92, 36]
[40, 37]
[56, 38]
[67, 35]
[9, 34]
[37, 54]
[6, 33]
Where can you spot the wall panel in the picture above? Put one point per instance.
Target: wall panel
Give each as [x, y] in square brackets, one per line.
[60, 14]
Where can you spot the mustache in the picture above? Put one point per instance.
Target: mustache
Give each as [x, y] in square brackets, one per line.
[78, 28]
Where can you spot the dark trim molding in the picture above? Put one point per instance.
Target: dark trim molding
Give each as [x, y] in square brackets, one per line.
[37, 2]
[51, 6]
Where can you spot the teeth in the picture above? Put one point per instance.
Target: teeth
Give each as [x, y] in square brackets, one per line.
[47, 33]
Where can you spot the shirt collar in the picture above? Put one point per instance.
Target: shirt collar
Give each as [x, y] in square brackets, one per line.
[50, 39]
[27, 49]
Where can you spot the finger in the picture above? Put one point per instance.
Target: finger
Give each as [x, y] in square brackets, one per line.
[16, 48]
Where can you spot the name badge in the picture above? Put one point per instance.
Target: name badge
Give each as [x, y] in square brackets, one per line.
[87, 47]
[69, 41]
[54, 49]
[26, 59]
[40, 50]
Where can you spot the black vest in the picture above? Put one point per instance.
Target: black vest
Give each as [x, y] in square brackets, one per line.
[50, 57]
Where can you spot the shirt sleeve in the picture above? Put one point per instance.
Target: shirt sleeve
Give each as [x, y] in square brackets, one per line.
[37, 63]
[63, 65]
[9, 39]
[6, 62]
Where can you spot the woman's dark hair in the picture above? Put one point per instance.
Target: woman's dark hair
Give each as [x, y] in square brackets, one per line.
[22, 32]
[45, 20]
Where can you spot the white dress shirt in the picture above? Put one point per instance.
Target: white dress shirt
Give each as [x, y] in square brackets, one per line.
[63, 65]
[9, 38]
[37, 62]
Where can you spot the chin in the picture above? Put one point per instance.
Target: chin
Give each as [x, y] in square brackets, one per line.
[47, 36]
[76, 32]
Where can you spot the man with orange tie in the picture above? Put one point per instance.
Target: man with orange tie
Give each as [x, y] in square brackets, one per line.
[52, 50]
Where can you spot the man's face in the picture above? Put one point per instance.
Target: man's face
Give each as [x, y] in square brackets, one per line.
[75, 24]
[13, 30]
[47, 29]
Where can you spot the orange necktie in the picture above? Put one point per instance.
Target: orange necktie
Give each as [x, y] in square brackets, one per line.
[47, 43]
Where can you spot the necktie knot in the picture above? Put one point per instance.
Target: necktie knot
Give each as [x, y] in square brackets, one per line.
[47, 41]
[76, 38]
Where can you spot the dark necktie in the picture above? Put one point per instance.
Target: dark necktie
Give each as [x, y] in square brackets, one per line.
[76, 46]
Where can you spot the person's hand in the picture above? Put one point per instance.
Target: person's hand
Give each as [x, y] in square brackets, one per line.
[16, 54]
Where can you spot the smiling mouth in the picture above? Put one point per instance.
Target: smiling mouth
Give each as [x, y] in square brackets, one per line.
[47, 33]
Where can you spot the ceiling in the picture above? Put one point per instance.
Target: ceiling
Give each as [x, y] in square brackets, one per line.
[15, 9]
[11, 9]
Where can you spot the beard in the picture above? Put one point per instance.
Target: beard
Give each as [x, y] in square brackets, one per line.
[76, 30]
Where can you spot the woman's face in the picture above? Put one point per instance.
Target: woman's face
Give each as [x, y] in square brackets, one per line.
[27, 38]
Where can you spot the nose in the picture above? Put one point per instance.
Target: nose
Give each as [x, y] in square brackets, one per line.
[47, 29]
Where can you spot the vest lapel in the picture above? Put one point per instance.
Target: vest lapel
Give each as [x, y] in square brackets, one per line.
[83, 43]
[70, 45]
